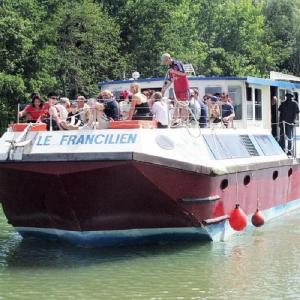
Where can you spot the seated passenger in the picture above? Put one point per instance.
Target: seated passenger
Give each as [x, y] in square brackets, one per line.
[203, 120]
[83, 109]
[62, 107]
[111, 106]
[73, 115]
[214, 109]
[160, 110]
[50, 112]
[227, 111]
[139, 109]
[125, 104]
[194, 105]
[34, 111]
[98, 119]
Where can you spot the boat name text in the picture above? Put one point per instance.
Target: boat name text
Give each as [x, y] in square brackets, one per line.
[88, 139]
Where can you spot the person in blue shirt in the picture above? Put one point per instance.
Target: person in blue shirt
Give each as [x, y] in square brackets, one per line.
[227, 110]
[111, 106]
[203, 120]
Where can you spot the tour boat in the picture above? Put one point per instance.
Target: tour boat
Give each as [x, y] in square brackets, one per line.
[135, 183]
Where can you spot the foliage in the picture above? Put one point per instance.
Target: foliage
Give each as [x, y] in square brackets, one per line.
[69, 46]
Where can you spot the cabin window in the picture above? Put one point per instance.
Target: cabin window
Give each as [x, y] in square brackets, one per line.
[249, 103]
[213, 90]
[235, 93]
[281, 95]
[296, 97]
[258, 107]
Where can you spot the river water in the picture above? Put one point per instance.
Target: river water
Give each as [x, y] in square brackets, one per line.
[260, 264]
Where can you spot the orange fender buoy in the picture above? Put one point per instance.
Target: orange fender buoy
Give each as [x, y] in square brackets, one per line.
[258, 218]
[238, 219]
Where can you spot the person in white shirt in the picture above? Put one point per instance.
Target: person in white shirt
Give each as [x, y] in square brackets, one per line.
[83, 109]
[63, 107]
[125, 104]
[160, 110]
[194, 105]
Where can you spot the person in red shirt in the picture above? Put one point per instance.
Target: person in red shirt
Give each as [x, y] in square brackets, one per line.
[177, 75]
[34, 111]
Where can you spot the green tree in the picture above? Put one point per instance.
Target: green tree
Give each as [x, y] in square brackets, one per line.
[87, 41]
[235, 37]
[283, 25]
[152, 27]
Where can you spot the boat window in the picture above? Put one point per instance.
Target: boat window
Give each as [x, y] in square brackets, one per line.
[296, 97]
[258, 107]
[249, 104]
[212, 90]
[235, 93]
[266, 145]
[226, 146]
[281, 95]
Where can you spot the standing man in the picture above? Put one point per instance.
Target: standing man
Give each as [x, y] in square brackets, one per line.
[289, 110]
[177, 75]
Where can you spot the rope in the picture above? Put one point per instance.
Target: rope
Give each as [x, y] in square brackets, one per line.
[185, 105]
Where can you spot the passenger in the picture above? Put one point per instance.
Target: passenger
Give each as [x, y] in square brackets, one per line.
[97, 120]
[83, 109]
[214, 109]
[194, 105]
[111, 106]
[227, 110]
[203, 120]
[160, 110]
[139, 109]
[52, 115]
[289, 111]
[125, 104]
[148, 94]
[102, 121]
[63, 106]
[34, 111]
[73, 115]
[177, 75]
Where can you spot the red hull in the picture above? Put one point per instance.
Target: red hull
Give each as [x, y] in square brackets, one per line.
[88, 196]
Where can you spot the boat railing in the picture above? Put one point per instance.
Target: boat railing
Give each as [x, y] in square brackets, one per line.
[96, 119]
[287, 137]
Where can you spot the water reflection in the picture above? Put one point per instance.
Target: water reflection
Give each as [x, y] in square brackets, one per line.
[36, 253]
[260, 264]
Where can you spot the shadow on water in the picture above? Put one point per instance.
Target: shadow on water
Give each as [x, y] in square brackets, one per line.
[37, 253]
